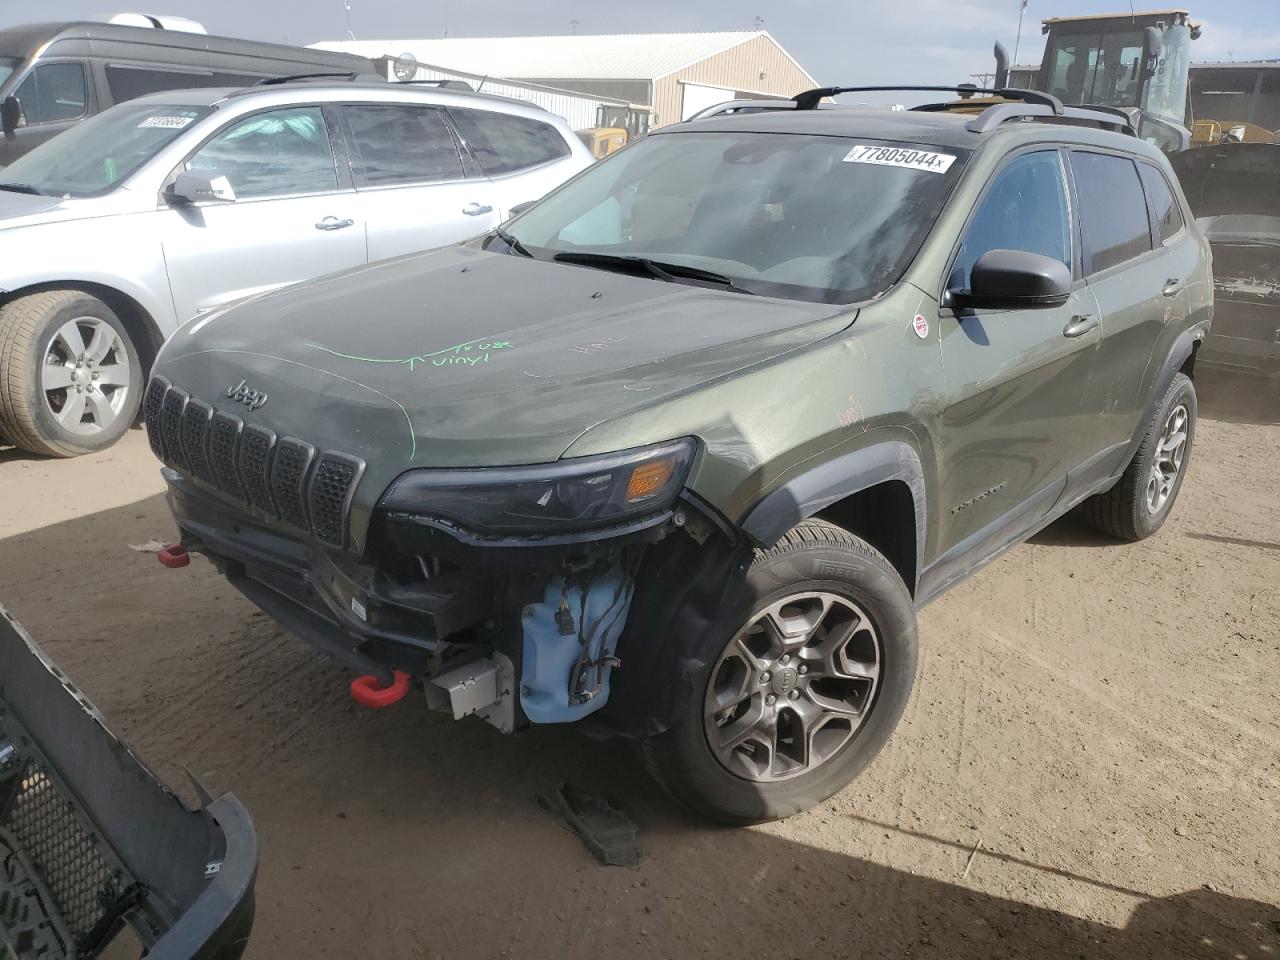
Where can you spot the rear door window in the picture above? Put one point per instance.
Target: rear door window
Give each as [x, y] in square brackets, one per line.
[396, 144]
[274, 154]
[1113, 209]
[53, 92]
[1026, 209]
[504, 143]
[1164, 205]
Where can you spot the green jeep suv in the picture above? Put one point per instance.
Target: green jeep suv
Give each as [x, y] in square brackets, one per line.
[683, 447]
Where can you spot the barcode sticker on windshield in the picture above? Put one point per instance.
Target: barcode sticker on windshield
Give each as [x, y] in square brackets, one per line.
[901, 157]
[168, 123]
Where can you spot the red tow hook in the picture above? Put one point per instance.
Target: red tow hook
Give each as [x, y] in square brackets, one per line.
[369, 691]
[174, 556]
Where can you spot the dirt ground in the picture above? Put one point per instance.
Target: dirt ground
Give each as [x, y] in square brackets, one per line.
[1089, 768]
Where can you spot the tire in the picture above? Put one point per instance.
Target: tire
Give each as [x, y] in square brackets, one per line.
[1128, 510]
[741, 786]
[65, 336]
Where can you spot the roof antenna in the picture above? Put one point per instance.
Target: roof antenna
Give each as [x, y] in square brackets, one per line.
[757, 24]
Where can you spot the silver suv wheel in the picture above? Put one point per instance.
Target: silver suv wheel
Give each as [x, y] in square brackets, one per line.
[792, 687]
[1167, 462]
[85, 378]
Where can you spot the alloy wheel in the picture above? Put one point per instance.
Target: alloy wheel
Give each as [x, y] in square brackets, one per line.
[1167, 464]
[85, 376]
[792, 687]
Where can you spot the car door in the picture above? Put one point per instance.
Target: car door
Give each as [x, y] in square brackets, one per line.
[295, 215]
[53, 97]
[1018, 403]
[413, 189]
[1137, 281]
[524, 158]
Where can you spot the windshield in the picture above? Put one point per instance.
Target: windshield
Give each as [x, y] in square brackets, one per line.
[7, 66]
[1102, 68]
[829, 219]
[94, 156]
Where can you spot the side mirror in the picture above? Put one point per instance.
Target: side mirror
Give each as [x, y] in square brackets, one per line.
[1014, 280]
[201, 186]
[10, 115]
[520, 208]
[1152, 45]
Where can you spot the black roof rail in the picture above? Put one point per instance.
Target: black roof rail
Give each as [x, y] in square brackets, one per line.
[443, 84]
[994, 116]
[810, 99]
[333, 75]
[743, 106]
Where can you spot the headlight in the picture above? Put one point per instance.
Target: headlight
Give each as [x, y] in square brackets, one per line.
[569, 495]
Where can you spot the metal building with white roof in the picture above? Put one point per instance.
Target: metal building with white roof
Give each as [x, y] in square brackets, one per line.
[675, 74]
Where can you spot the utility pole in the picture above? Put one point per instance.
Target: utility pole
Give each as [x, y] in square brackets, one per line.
[1018, 42]
[347, 4]
[757, 24]
[573, 26]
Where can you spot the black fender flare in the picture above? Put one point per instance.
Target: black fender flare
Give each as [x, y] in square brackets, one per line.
[815, 489]
[1182, 348]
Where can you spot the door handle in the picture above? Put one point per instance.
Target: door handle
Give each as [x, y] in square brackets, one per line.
[477, 209]
[1079, 326]
[1172, 287]
[334, 223]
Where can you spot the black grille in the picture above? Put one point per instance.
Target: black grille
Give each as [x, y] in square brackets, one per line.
[195, 439]
[224, 444]
[288, 480]
[151, 403]
[282, 478]
[332, 484]
[44, 825]
[175, 402]
[255, 466]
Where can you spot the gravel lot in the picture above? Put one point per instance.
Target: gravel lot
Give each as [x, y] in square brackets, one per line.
[1089, 768]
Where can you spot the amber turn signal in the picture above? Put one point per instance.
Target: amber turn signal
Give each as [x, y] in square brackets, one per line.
[649, 478]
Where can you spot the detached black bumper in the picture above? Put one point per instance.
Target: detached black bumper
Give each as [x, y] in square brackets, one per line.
[92, 842]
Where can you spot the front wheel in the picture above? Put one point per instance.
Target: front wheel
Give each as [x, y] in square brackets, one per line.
[811, 680]
[69, 374]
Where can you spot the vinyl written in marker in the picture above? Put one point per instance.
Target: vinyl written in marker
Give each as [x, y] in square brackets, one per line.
[900, 157]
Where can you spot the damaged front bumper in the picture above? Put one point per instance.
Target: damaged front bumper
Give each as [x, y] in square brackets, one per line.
[513, 634]
[95, 851]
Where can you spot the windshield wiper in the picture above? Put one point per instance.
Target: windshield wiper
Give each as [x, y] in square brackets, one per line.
[21, 188]
[515, 245]
[663, 270]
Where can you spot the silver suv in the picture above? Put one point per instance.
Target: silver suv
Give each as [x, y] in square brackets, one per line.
[168, 207]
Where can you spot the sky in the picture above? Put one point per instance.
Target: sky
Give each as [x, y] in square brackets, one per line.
[844, 42]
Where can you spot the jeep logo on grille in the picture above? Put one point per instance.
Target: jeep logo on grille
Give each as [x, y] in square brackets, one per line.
[243, 393]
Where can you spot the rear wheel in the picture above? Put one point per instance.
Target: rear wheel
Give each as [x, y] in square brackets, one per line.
[806, 688]
[1140, 502]
[69, 374]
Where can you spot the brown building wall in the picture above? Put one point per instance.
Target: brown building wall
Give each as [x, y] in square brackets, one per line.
[737, 68]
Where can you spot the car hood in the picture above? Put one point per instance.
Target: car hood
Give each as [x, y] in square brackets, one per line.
[459, 358]
[25, 209]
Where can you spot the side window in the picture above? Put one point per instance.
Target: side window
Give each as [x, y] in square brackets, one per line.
[52, 92]
[1026, 208]
[1168, 215]
[505, 143]
[273, 154]
[126, 82]
[1113, 209]
[401, 144]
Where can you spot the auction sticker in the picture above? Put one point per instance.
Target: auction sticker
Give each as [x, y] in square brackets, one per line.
[921, 326]
[901, 157]
[167, 123]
